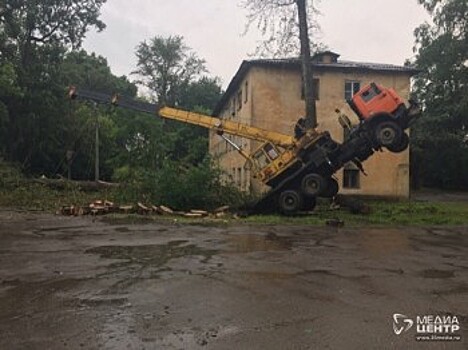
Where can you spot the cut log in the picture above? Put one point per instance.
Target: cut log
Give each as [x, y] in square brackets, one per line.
[84, 185]
[222, 209]
[199, 212]
[143, 209]
[166, 210]
[193, 215]
[126, 208]
[156, 209]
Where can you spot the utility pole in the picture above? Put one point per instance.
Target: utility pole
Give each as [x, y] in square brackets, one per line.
[307, 74]
[96, 161]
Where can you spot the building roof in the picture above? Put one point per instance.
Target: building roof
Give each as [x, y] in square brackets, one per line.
[295, 63]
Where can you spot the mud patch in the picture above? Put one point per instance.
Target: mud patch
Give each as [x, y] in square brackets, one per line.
[102, 301]
[432, 273]
[248, 243]
[152, 255]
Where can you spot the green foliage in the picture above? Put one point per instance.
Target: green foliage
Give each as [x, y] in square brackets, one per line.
[38, 125]
[93, 72]
[48, 22]
[34, 39]
[179, 186]
[166, 65]
[442, 87]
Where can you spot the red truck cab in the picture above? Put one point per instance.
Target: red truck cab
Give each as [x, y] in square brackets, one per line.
[375, 99]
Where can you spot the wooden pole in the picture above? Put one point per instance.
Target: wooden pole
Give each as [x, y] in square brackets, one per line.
[96, 162]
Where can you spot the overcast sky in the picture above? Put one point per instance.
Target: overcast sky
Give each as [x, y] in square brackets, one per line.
[360, 30]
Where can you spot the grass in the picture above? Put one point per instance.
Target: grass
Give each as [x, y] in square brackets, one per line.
[17, 192]
[20, 193]
[383, 213]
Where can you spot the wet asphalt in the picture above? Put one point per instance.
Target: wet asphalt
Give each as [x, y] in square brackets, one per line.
[79, 283]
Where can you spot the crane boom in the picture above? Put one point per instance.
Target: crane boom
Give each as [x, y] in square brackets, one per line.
[219, 125]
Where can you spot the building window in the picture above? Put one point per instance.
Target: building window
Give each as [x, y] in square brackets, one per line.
[351, 177]
[351, 88]
[239, 100]
[315, 89]
[246, 92]
[233, 107]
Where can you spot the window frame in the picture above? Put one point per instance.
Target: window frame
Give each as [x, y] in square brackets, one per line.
[353, 89]
[349, 183]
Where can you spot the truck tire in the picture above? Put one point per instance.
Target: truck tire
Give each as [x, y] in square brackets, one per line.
[332, 189]
[388, 134]
[401, 146]
[313, 185]
[290, 202]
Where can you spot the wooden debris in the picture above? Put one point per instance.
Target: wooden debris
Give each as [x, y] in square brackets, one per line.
[126, 208]
[199, 212]
[156, 209]
[102, 207]
[84, 185]
[166, 210]
[143, 209]
[222, 209]
[193, 215]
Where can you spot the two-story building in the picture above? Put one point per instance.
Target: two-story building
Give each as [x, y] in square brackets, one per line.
[268, 93]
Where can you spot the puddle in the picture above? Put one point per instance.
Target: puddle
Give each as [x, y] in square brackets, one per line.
[152, 255]
[432, 273]
[247, 243]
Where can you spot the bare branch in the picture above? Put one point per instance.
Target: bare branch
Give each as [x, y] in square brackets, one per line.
[277, 21]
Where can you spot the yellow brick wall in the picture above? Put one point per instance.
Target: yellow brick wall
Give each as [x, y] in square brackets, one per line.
[274, 103]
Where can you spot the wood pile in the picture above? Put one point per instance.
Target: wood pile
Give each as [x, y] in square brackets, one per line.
[104, 207]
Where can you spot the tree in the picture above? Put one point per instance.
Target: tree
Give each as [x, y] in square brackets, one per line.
[442, 87]
[278, 22]
[165, 65]
[42, 22]
[286, 22]
[34, 39]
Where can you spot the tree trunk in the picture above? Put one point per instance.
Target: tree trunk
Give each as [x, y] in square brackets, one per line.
[307, 74]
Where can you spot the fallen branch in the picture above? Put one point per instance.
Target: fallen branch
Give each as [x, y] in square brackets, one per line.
[84, 185]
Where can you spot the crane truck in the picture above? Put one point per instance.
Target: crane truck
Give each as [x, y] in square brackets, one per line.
[298, 168]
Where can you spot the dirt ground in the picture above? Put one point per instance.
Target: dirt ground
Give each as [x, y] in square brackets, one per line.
[75, 283]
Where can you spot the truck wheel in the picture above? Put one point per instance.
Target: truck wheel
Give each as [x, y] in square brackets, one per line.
[313, 185]
[290, 202]
[388, 134]
[401, 146]
[332, 189]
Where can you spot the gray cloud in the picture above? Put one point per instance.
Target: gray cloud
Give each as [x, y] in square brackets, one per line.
[365, 30]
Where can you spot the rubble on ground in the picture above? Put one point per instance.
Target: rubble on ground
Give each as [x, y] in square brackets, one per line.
[104, 207]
